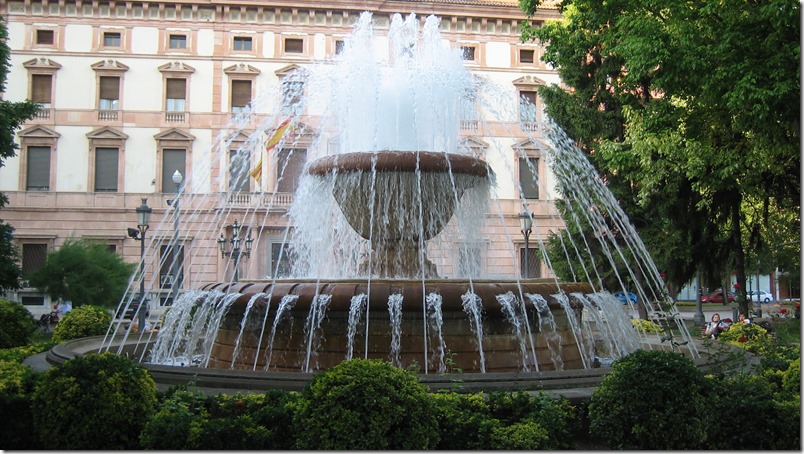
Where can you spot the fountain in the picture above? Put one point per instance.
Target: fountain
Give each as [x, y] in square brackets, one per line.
[376, 219]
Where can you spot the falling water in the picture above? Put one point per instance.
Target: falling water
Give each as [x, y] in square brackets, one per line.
[318, 310]
[548, 329]
[245, 320]
[508, 305]
[474, 309]
[283, 311]
[585, 345]
[436, 318]
[356, 308]
[395, 316]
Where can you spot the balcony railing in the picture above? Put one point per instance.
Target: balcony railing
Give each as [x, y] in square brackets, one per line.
[108, 115]
[274, 200]
[174, 117]
[43, 114]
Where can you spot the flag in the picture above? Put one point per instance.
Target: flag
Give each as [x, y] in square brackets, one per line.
[270, 144]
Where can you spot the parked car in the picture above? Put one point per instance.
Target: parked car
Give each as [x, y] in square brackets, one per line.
[760, 296]
[716, 297]
[622, 297]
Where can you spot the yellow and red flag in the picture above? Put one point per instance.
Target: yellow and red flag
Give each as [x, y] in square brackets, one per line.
[270, 144]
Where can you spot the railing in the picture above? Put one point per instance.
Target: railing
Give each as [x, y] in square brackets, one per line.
[276, 200]
[174, 117]
[108, 115]
[470, 125]
[43, 114]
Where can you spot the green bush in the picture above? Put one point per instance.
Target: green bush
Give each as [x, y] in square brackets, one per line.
[97, 401]
[522, 435]
[748, 336]
[650, 400]
[791, 378]
[18, 354]
[365, 404]
[81, 322]
[464, 421]
[17, 324]
[17, 383]
[190, 420]
[555, 415]
[170, 427]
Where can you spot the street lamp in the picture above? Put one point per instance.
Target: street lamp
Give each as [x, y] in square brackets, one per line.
[526, 224]
[174, 285]
[234, 239]
[143, 221]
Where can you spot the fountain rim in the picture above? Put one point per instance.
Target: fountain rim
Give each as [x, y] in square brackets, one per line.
[400, 161]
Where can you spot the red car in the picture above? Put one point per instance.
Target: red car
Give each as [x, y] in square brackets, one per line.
[716, 297]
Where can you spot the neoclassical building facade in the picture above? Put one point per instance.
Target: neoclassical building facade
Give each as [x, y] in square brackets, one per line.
[132, 91]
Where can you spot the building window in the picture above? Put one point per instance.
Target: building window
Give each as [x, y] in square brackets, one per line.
[468, 53]
[172, 160]
[238, 170]
[289, 169]
[292, 91]
[527, 106]
[529, 177]
[166, 268]
[34, 256]
[242, 43]
[241, 95]
[38, 171]
[468, 109]
[281, 261]
[175, 95]
[339, 46]
[177, 41]
[45, 37]
[111, 39]
[109, 93]
[41, 89]
[106, 167]
[527, 56]
[534, 266]
[294, 46]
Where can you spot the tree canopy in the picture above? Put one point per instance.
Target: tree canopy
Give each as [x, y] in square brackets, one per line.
[690, 111]
[84, 272]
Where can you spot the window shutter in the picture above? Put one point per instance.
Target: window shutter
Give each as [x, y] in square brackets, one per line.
[238, 171]
[172, 160]
[38, 169]
[33, 257]
[176, 88]
[109, 87]
[241, 93]
[106, 166]
[40, 88]
[291, 163]
[527, 179]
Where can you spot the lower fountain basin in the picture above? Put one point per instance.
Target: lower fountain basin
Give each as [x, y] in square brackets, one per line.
[316, 332]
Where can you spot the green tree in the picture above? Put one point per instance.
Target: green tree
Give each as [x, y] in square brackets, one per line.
[686, 111]
[84, 272]
[12, 115]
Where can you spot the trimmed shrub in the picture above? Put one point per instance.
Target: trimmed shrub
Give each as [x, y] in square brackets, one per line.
[522, 435]
[464, 421]
[17, 324]
[97, 401]
[555, 415]
[647, 326]
[650, 400]
[83, 321]
[18, 354]
[791, 378]
[170, 427]
[17, 383]
[365, 404]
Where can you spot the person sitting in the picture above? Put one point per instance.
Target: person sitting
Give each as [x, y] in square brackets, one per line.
[715, 327]
[744, 319]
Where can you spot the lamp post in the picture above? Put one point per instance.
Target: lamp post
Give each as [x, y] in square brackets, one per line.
[526, 224]
[143, 222]
[174, 285]
[234, 239]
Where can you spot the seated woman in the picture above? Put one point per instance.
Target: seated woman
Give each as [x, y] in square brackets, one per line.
[715, 327]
